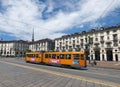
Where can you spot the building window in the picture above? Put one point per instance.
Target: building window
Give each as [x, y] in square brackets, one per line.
[66, 46]
[116, 57]
[77, 41]
[108, 38]
[102, 38]
[73, 41]
[85, 39]
[96, 34]
[66, 42]
[91, 57]
[102, 44]
[91, 40]
[103, 58]
[81, 40]
[96, 45]
[114, 30]
[108, 44]
[115, 44]
[96, 39]
[108, 32]
[115, 50]
[115, 37]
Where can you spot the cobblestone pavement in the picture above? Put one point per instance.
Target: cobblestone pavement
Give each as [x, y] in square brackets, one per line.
[18, 75]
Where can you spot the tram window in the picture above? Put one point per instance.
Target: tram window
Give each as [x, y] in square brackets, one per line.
[37, 55]
[76, 56]
[53, 56]
[61, 56]
[32, 55]
[68, 56]
[28, 55]
[58, 56]
[46, 55]
[82, 57]
[49, 55]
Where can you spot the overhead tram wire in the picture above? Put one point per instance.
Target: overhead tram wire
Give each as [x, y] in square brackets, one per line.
[106, 10]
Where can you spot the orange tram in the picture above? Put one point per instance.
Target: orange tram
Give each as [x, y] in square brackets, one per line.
[57, 58]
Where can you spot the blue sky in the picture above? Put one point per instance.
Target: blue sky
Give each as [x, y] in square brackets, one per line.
[54, 18]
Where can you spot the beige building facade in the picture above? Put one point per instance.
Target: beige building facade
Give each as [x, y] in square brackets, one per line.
[100, 44]
[42, 45]
[13, 48]
[19, 47]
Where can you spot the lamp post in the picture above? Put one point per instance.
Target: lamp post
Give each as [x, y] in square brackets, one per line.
[88, 48]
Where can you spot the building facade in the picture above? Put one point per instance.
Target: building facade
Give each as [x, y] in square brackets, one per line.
[42, 45]
[13, 48]
[101, 44]
[19, 47]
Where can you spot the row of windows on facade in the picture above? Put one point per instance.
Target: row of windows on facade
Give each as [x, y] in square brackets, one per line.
[90, 39]
[96, 34]
[102, 44]
[9, 45]
[13, 49]
[11, 52]
[115, 50]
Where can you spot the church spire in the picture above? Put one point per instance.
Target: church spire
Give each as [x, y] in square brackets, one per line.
[33, 35]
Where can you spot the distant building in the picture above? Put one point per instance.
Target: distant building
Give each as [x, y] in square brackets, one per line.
[102, 44]
[20, 47]
[42, 45]
[13, 48]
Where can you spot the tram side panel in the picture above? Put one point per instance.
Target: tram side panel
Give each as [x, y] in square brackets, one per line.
[65, 58]
[83, 61]
[35, 57]
[60, 58]
[51, 58]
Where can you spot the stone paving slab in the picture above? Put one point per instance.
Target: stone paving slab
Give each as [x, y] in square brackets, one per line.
[105, 64]
[44, 80]
[14, 76]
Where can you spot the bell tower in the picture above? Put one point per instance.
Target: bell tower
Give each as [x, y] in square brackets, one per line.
[33, 35]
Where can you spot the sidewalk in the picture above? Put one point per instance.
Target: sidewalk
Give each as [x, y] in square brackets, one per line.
[105, 64]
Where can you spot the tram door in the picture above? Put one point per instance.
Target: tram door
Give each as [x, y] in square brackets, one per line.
[76, 58]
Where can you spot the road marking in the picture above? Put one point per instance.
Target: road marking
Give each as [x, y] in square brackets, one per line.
[66, 75]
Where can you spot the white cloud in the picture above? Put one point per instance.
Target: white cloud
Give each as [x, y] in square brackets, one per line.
[21, 16]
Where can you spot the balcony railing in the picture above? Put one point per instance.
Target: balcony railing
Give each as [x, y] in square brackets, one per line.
[96, 47]
[102, 41]
[91, 42]
[115, 39]
[108, 46]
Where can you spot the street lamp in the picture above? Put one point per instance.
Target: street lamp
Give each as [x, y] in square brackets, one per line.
[88, 44]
